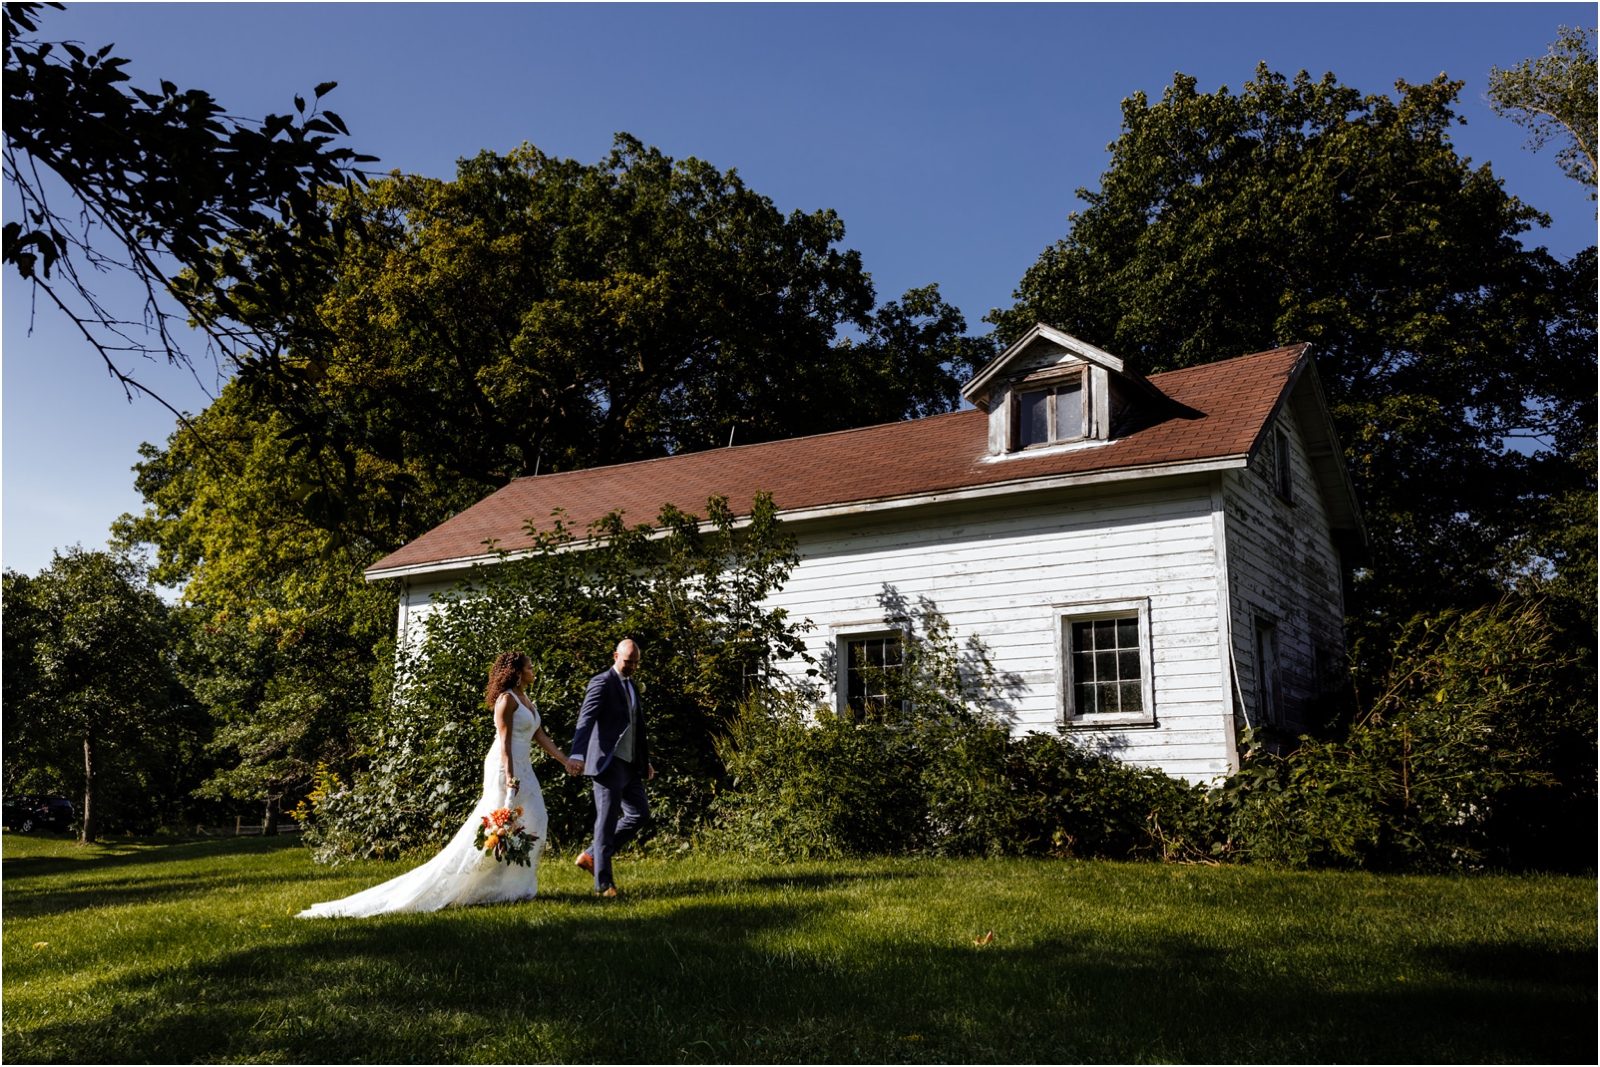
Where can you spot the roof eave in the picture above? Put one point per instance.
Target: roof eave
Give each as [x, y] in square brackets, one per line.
[877, 504]
[1302, 390]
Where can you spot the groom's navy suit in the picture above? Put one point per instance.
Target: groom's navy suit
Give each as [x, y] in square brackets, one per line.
[610, 707]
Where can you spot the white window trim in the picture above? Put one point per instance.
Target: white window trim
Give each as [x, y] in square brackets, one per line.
[841, 635]
[1088, 611]
[1048, 382]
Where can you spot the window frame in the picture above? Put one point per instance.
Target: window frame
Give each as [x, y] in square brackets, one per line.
[1049, 385]
[1091, 611]
[1270, 708]
[841, 636]
[1282, 465]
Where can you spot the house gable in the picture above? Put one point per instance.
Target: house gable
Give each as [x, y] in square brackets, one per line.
[1050, 389]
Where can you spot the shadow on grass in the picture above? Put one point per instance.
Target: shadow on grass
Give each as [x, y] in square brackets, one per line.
[1522, 963]
[695, 968]
[142, 875]
[699, 888]
[570, 978]
[111, 854]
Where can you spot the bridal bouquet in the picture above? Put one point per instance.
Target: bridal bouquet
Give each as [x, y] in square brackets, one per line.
[501, 835]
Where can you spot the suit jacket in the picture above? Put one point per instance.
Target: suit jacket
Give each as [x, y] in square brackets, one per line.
[602, 720]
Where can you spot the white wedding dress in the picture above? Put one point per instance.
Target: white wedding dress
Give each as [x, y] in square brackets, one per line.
[460, 874]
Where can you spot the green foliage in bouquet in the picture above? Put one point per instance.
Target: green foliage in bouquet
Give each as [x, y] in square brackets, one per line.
[690, 592]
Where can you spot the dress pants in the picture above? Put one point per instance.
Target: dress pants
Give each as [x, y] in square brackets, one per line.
[620, 811]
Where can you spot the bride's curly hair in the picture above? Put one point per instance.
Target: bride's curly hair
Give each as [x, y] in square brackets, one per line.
[503, 676]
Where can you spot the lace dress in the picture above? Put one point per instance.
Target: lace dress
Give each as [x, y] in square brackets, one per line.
[460, 875]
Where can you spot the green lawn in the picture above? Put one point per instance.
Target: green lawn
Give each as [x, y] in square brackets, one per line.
[187, 951]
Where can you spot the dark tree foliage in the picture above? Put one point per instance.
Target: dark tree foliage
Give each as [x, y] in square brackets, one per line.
[92, 703]
[545, 314]
[284, 697]
[217, 219]
[1301, 210]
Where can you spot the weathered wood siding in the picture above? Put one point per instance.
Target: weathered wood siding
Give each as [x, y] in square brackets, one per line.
[1283, 567]
[1005, 573]
[1001, 574]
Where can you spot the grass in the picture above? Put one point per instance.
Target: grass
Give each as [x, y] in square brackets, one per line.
[171, 952]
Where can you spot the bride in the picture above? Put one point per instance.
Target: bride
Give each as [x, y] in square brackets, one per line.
[460, 874]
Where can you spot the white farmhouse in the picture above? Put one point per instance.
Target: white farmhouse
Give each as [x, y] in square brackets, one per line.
[1155, 560]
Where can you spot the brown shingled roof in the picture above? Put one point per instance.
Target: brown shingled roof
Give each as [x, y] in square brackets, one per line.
[1227, 402]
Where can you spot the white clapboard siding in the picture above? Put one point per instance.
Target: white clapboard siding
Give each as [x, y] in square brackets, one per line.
[1004, 572]
[1283, 567]
[1000, 574]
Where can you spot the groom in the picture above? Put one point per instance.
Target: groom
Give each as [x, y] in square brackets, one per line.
[611, 746]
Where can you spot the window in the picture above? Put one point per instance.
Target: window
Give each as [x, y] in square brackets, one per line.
[1106, 659]
[1282, 466]
[1051, 414]
[868, 662]
[1269, 697]
[1105, 667]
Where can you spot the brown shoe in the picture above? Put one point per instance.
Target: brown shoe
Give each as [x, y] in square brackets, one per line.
[585, 862]
[609, 891]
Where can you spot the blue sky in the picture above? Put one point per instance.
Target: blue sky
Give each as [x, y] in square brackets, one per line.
[949, 138]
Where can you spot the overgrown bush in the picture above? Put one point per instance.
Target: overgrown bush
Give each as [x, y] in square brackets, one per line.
[933, 769]
[693, 601]
[1437, 774]
[810, 783]
[1454, 764]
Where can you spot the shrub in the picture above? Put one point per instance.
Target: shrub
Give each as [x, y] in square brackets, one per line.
[1436, 774]
[816, 786]
[935, 769]
[691, 598]
[1467, 723]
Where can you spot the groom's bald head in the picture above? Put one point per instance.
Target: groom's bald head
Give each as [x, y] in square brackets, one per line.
[626, 656]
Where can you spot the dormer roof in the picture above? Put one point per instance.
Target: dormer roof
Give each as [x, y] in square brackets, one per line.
[1040, 346]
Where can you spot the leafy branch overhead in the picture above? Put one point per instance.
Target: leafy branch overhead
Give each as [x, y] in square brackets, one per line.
[1553, 97]
[222, 215]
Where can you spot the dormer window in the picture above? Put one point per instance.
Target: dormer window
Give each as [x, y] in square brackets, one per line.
[1050, 414]
[1049, 388]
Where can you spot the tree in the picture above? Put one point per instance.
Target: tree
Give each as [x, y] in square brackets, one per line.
[279, 633]
[208, 214]
[1304, 211]
[534, 314]
[542, 314]
[282, 700]
[692, 598]
[94, 649]
[1553, 97]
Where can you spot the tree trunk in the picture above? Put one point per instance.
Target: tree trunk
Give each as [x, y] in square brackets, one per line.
[269, 826]
[89, 817]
